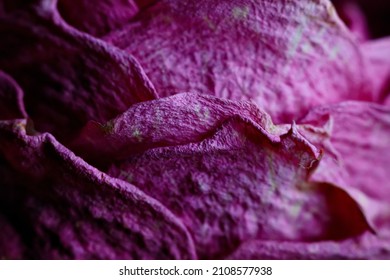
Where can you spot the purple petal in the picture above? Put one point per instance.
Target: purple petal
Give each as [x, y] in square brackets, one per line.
[180, 119]
[67, 76]
[68, 209]
[286, 56]
[356, 157]
[243, 183]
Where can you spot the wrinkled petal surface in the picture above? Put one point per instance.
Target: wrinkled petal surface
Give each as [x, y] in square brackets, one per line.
[356, 156]
[68, 77]
[65, 208]
[287, 56]
[179, 119]
[241, 183]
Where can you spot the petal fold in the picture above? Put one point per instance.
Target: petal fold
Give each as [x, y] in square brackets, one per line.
[356, 155]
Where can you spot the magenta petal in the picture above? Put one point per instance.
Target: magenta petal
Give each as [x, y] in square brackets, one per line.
[356, 156]
[68, 209]
[179, 119]
[377, 54]
[286, 56]
[366, 246]
[67, 76]
[243, 183]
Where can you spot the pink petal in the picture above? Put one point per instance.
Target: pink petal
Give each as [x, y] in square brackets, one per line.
[243, 183]
[68, 77]
[68, 209]
[356, 157]
[286, 56]
[179, 119]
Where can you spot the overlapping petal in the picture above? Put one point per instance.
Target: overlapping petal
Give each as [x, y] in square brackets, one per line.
[242, 183]
[356, 146]
[191, 175]
[64, 208]
[287, 56]
[68, 77]
[180, 119]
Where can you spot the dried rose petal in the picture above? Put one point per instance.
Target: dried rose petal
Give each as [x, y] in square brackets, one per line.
[286, 56]
[68, 77]
[68, 209]
[242, 183]
[356, 156]
[179, 119]
[212, 178]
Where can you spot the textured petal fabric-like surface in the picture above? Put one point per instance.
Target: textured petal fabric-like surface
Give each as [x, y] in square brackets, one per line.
[179, 119]
[68, 77]
[356, 157]
[202, 172]
[67, 209]
[287, 56]
[240, 184]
